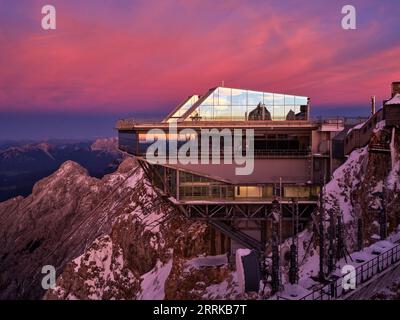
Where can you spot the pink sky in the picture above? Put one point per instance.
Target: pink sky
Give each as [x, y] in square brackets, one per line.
[123, 56]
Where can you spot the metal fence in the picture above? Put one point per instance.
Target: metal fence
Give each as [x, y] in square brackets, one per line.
[364, 273]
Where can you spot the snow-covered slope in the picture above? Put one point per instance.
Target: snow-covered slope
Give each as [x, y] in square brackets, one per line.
[109, 238]
[353, 193]
[148, 252]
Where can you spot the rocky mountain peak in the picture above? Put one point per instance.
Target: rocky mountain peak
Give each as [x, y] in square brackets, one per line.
[105, 144]
[107, 238]
[71, 167]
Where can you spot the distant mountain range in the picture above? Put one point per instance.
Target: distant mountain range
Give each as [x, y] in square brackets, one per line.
[25, 162]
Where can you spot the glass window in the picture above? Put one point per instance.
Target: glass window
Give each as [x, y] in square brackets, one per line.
[224, 97]
[296, 192]
[209, 101]
[254, 192]
[195, 115]
[254, 98]
[268, 99]
[270, 109]
[268, 191]
[300, 100]
[279, 113]
[290, 112]
[236, 104]
[248, 191]
[279, 99]
[289, 100]
[239, 113]
[222, 113]
[186, 106]
[206, 112]
[239, 97]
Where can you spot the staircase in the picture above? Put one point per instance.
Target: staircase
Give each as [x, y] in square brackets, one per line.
[238, 235]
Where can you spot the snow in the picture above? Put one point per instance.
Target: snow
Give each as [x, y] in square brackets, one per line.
[243, 252]
[361, 256]
[359, 126]
[379, 126]
[380, 247]
[102, 266]
[395, 237]
[378, 187]
[293, 291]
[394, 100]
[338, 196]
[100, 258]
[153, 282]
[358, 258]
[344, 182]
[375, 237]
[347, 179]
[307, 283]
[208, 261]
[394, 175]
[376, 224]
[148, 213]
[132, 181]
[356, 127]
[216, 290]
[226, 289]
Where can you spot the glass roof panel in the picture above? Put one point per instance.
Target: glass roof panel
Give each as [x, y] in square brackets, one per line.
[190, 101]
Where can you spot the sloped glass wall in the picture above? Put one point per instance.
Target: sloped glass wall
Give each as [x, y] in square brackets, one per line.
[184, 107]
[226, 104]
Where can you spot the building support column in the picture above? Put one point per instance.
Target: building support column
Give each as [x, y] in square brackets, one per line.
[177, 186]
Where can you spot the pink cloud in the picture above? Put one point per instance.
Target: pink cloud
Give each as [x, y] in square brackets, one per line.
[139, 64]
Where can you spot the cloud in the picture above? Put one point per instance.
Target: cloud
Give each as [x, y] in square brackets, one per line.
[138, 55]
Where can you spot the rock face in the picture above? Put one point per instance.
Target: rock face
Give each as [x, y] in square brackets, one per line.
[144, 255]
[109, 145]
[363, 185]
[65, 212]
[22, 165]
[113, 238]
[353, 193]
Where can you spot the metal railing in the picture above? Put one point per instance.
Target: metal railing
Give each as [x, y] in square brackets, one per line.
[339, 120]
[379, 146]
[281, 153]
[258, 154]
[363, 274]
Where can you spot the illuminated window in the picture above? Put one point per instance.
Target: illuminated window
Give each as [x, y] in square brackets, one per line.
[297, 192]
[248, 191]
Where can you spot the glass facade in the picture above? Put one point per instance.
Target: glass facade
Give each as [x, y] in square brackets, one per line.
[192, 187]
[183, 108]
[196, 187]
[226, 104]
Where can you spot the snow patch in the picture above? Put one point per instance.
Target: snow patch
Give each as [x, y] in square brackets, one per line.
[394, 174]
[293, 292]
[153, 282]
[208, 261]
[345, 179]
[379, 126]
[394, 100]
